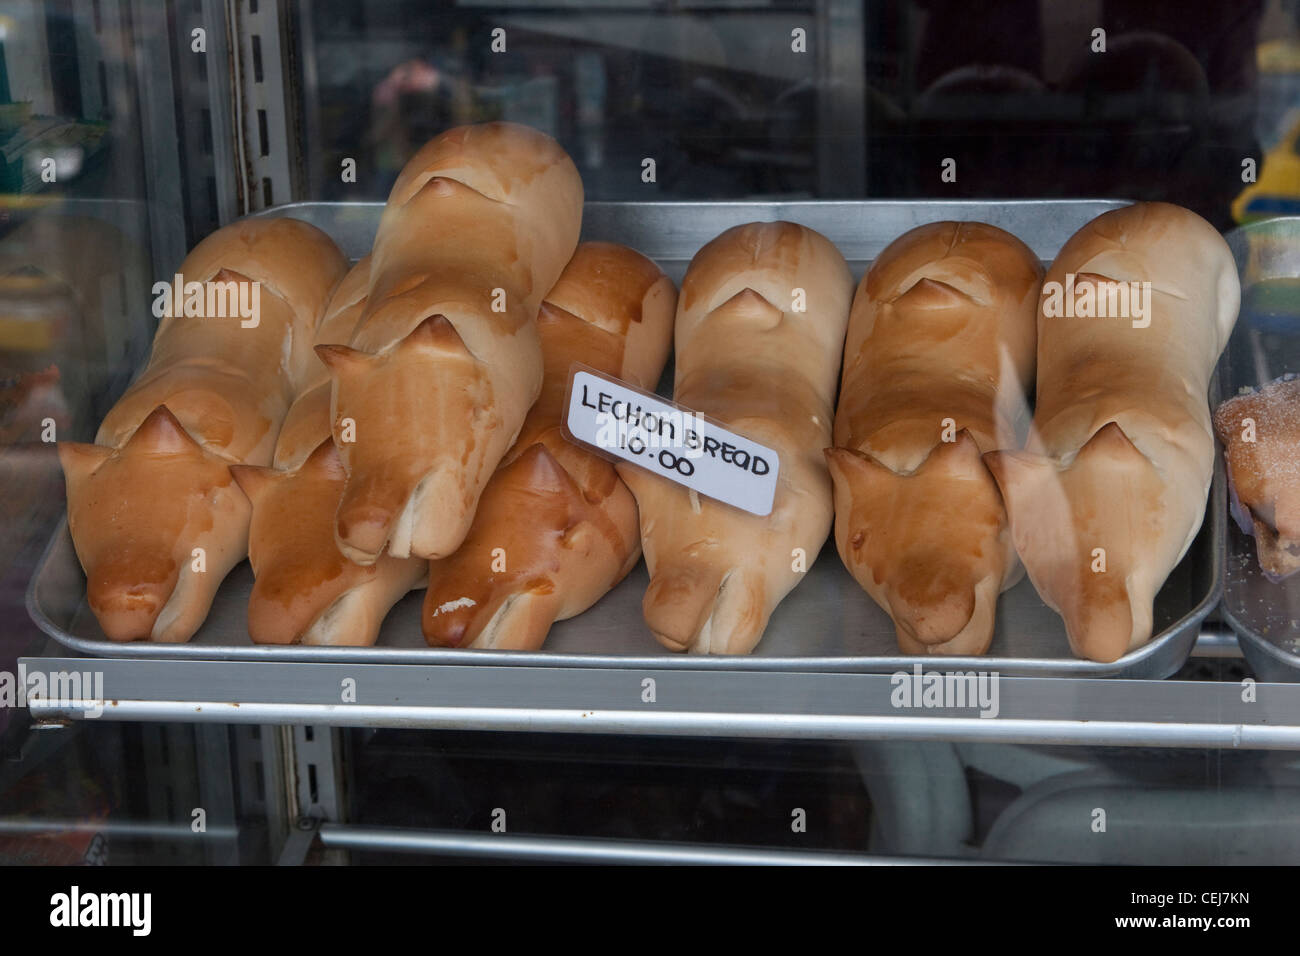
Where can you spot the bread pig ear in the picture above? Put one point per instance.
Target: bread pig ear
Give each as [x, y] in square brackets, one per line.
[959, 457]
[539, 470]
[80, 460]
[753, 307]
[1109, 444]
[1018, 473]
[325, 461]
[927, 294]
[435, 334]
[855, 473]
[1032, 491]
[341, 359]
[161, 433]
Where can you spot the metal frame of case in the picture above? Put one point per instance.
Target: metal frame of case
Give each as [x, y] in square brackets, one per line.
[1046, 710]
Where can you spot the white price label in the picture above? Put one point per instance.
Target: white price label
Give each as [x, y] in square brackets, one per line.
[674, 443]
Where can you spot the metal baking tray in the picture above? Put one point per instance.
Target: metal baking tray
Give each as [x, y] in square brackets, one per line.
[1264, 346]
[827, 624]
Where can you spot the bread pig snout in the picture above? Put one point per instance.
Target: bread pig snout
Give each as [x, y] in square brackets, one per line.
[1085, 545]
[931, 546]
[126, 589]
[157, 524]
[411, 489]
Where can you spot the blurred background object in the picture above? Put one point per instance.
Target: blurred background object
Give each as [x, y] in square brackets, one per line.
[725, 102]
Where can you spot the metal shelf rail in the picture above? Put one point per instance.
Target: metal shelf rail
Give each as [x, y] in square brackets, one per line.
[553, 849]
[1039, 710]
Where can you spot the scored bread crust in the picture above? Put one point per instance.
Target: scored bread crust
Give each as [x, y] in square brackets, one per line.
[1111, 489]
[308, 422]
[750, 358]
[156, 518]
[556, 528]
[445, 361]
[938, 358]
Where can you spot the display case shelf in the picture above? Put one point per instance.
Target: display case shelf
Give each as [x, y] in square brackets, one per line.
[727, 703]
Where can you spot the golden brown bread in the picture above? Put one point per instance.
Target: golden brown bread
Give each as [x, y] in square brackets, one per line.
[445, 360]
[138, 513]
[746, 357]
[1111, 489]
[156, 518]
[939, 354]
[1260, 432]
[564, 522]
[307, 422]
[304, 589]
[228, 385]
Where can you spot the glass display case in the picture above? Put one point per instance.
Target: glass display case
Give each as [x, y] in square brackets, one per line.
[131, 131]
